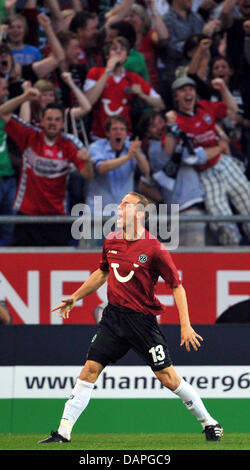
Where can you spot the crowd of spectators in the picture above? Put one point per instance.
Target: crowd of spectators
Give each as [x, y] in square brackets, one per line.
[104, 97]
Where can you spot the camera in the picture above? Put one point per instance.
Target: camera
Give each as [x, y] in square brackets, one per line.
[172, 166]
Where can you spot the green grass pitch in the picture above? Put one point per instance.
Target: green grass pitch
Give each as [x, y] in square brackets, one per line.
[240, 441]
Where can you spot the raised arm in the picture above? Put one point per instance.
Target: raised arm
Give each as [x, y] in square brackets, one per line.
[84, 104]
[93, 94]
[161, 30]
[118, 13]
[47, 65]
[200, 60]
[8, 108]
[25, 108]
[226, 14]
[56, 15]
[226, 95]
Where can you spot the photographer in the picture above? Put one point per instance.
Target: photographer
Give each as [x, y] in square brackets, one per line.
[222, 177]
[172, 179]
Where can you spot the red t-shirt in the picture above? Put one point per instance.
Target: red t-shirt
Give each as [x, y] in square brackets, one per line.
[134, 268]
[201, 126]
[115, 99]
[148, 48]
[42, 184]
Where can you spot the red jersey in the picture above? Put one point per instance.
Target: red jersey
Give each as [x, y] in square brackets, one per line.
[201, 126]
[149, 50]
[42, 184]
[134, 268]
[116, 97]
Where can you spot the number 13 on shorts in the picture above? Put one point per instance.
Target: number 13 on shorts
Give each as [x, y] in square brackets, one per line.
[157, 353]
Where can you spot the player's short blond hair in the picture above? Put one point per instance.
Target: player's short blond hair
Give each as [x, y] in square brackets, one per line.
[142, 201]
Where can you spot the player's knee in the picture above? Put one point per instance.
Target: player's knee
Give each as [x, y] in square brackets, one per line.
[91, 371]
[169, 378]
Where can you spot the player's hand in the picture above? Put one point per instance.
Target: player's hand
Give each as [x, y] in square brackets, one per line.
[65, 307]
[189, 336]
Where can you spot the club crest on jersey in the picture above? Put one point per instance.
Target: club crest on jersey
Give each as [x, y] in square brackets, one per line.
[207, 118]
[143, 258]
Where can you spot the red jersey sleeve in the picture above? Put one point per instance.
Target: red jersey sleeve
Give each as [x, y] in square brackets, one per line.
[138, 80]
[219, 109]
[19, 131]
[78, 162]
[95, 73]
[166, 267]
[104, 265]
[73, 158]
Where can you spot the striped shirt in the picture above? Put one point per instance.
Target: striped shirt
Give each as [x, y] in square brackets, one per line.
[43, 179]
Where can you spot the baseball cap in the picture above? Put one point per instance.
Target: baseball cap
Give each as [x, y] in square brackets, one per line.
[182, 81]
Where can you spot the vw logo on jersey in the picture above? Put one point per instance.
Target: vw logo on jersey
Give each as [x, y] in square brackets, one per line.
[143, 258]
[207, 118]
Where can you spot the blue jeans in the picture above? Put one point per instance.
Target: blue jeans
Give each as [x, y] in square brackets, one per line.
[7, 196]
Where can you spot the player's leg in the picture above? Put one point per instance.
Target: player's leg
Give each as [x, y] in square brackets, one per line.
[170, 379]
[148, 341]
[77, 402]
[106, 346]
[79, 397]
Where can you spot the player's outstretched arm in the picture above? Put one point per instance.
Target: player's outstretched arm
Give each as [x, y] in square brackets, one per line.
[188, 335]
[96, 280]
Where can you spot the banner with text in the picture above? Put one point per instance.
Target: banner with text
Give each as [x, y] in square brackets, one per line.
[33, 283]
[122, 382]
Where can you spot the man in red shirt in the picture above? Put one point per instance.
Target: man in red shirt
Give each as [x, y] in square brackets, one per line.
[48, 155]
[223, 179]
[132, 261]
[85, 25]
[112, 90]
